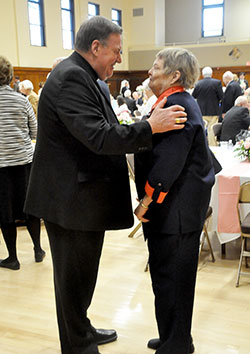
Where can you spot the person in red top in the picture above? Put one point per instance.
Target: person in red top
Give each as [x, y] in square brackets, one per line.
[174, 183]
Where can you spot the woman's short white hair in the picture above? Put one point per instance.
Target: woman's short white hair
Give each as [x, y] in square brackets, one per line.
[182, 60]
[26, 84]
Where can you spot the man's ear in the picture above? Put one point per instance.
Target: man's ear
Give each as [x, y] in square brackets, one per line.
[176, 76]
[95, 47]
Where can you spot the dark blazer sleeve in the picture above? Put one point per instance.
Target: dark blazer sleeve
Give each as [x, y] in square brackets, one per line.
[246, 120]
[228, 99]
[233, 91]
[169, 157]
[219, 91]
[86, 120]
[196, 90]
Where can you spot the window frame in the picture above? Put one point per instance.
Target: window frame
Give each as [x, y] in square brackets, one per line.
[212, 6]
[72, 23]
[119, 21]
[97, 7]
[42, 22]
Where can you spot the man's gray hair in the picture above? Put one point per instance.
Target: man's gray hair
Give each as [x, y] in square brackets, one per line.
[26, 84]
[228, 75]
[240, 100]
[96, 28]
[127, 93]
[182, 60]
[207, 71]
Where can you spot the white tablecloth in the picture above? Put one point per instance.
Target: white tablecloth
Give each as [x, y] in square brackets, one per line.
[228, 162]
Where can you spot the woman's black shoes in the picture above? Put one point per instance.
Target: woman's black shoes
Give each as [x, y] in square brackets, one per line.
[15, 265]
[39, 256]
[5, 263]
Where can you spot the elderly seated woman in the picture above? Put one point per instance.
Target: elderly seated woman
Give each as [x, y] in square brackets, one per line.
[174, 183]
[122, 112]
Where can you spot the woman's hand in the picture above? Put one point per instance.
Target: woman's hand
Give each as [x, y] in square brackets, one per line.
[139, 212]
[142, 208]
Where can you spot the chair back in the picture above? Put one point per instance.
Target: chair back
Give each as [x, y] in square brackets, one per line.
[217, 129]
[244, 195]
[131, 165]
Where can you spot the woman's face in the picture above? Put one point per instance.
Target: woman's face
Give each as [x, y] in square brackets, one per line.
[159, 81]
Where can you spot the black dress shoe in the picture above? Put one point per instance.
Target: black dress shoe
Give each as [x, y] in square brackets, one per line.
[155, 344]
[15, 265]
[104, 336]
[39, 256]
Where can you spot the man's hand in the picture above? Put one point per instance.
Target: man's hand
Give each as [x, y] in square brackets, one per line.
[165, 119]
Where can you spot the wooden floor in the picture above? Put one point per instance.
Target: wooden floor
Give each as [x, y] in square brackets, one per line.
[123, 300]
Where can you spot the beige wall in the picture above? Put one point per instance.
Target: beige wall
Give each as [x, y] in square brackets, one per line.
[183, 28]
[14, 31]
[143, 35]
[8, 43]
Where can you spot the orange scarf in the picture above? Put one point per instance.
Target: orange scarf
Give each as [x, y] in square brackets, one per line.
[168, 92]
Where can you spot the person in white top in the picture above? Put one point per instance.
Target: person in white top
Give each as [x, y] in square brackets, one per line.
[151, 98]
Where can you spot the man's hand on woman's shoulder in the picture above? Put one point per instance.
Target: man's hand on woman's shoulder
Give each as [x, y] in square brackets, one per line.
[165, 119]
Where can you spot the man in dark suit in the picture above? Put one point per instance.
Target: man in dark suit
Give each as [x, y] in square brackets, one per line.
[233, 90]
[209, 94]
[130, 102]
[236, 119]
[79, 181]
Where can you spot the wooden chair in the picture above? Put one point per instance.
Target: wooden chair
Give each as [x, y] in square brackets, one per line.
[244, 197]
[130, 162]
[131, 169]
[205, 236]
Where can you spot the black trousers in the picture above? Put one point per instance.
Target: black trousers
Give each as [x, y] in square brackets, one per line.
[173, 263]
[75, 256]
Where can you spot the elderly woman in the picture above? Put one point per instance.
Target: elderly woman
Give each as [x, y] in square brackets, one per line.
[174, 182]
[17, 127]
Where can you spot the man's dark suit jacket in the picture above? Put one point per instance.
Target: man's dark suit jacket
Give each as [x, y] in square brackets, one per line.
[236, 119]
[209, 94]
[180, 163]
[233, 90]
[79, 179]
[131, 104]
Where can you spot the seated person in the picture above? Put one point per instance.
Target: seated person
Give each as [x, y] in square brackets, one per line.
[236, 119]
[138, 99]
[26, 88]
[130, 101]
[122, 112]
[122, 106]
